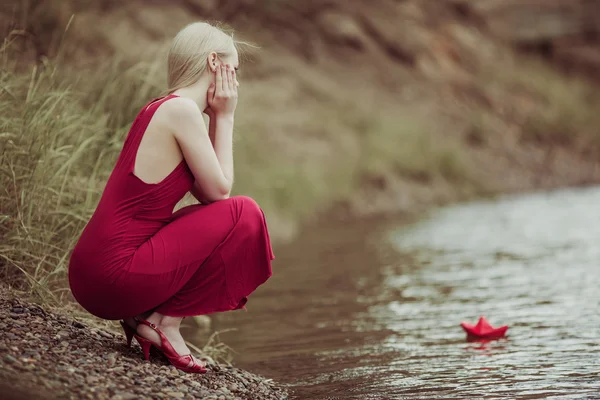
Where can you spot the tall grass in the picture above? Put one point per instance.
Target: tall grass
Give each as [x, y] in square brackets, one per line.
[61, 129]
[57, 146]
[411, 147]
[567, 111]
[551, 108]
[61, 132]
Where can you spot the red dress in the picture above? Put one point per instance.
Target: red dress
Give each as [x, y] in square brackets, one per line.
[136, 255]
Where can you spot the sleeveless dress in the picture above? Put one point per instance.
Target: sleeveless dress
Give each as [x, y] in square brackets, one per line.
[136, 255]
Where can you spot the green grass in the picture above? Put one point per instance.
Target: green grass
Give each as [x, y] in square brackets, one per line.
[551, 108]
[61, 131]
[55, 155]
[62, 127]
[293, 166]
[567, 113]
[409, 146]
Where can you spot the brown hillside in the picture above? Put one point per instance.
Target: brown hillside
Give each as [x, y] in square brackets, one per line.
[402, 104]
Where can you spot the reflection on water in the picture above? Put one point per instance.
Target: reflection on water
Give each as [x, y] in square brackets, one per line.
[346, 317]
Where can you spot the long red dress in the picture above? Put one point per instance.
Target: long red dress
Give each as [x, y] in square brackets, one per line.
[136, 255]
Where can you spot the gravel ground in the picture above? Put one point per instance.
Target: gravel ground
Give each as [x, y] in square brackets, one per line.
[48, 355]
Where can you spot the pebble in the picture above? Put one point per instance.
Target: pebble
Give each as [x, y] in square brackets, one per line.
[111, 360]
[233, 387]
[10, 359]
[78, 325]
[124, 396]
[224, 390]
[46, 352]
[105, 334]
[182, 389]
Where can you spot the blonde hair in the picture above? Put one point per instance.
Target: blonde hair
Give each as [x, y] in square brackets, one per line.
[188, 55]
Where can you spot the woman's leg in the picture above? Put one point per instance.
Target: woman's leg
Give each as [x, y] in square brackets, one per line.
[169, 326]
[202, 258]
[132, 321]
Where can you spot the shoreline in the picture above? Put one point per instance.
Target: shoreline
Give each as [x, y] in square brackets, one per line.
[45, 349]
[50, 355]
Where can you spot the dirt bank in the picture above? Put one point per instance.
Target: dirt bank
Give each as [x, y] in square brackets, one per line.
[365, 108]
[379, 107]
[50, 355]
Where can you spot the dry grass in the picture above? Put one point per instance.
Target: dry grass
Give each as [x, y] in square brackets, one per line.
[214, 350]
[298, 150]
[57, 147]
[49, 144]
[62, 131]
[551, 108]
[567, 112]
[409, 146]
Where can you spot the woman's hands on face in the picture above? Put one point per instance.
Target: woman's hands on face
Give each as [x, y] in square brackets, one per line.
[222, 95]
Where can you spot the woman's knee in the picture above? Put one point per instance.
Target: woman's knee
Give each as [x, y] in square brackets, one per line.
[182, 212]
[247, 210]
[245, 201]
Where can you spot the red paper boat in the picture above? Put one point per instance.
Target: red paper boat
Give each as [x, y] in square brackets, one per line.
[484, 330]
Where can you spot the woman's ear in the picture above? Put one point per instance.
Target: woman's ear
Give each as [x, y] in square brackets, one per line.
[212, 61]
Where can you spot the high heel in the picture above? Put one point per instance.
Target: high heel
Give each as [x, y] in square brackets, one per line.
[145, 344]
[129, 332]
[186, 363]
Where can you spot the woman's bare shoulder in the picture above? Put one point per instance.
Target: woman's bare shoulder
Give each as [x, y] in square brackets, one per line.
[180, 107]
[181, 116]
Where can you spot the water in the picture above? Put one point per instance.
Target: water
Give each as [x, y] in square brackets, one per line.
[373, 311]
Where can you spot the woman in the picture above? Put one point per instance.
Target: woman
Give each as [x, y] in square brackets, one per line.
[139, 262]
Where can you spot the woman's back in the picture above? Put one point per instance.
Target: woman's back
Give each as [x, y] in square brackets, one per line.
[137, 260]
[130, 210]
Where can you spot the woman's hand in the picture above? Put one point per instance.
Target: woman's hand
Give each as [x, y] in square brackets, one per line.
[223, 94]
[209, 111]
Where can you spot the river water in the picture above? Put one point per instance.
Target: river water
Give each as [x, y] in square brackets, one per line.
[372, 311]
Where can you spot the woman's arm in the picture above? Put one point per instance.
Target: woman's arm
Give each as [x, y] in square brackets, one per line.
[212, 125]
[198, 195]
[187, 124]
[223, 144]
[211, 161]
[212, 129]
[222, 99]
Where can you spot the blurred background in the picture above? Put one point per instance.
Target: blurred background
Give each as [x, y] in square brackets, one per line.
[354, 118]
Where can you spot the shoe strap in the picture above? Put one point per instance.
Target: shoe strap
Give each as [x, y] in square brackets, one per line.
[194, 362]
[164, 342]
[166, 345]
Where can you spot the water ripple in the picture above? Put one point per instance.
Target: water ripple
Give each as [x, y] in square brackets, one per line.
[534, 266]
[345, 318]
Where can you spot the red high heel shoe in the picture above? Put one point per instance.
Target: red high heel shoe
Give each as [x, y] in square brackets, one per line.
[187, 363]
[129, 332]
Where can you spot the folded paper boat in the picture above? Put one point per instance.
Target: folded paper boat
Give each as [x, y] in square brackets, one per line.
[483, 330]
